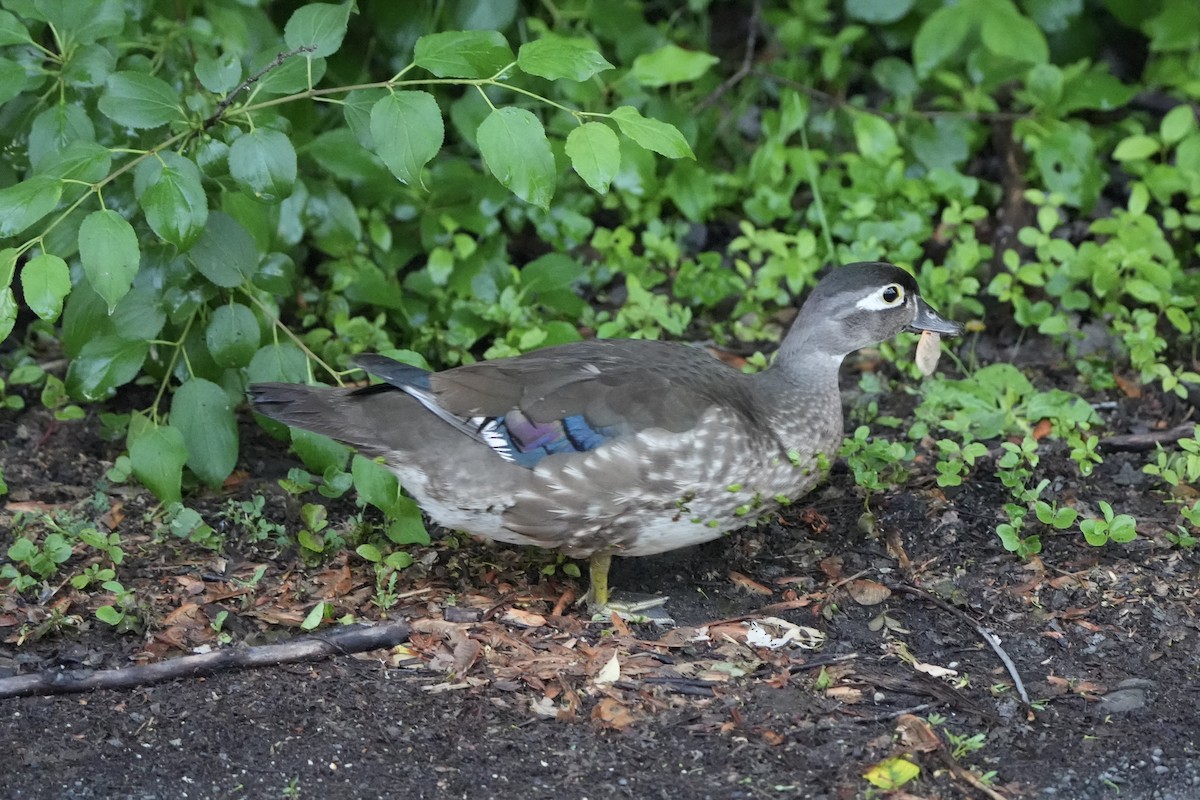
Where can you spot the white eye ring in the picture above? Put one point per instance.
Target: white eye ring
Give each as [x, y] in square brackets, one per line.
[889, 296]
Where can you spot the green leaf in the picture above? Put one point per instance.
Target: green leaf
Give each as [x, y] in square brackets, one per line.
[369, 552]
[319, 453]
[203, 414]
[12, 79]
[878, 12]
[1176, 27]
[158, 455]
[408, 131]
[595, 154]
[8, 265]
[82, 21]
[109, 252]
[232, 335]
[554, 57]
[137, 100]
[671, 64]
[103, 364]
[1135, 148]
[408, 526]
[1095, 89]
[57, 127]
[940, 37]
[1178, 123]
[12, 31]
[463, 54]
[517, 153]
[550, 272]
[315, 617]
[46, 281]
[219, 74]
[264, 162]
[225, 253]
[278, 362]
[375, 484]
[169, 191]
[25, 203]
[89, 66]
[875, 137]
[320, 26]
[8, 312]
[652, 134]
[356, 107]
[1006, 33]
[81, 161]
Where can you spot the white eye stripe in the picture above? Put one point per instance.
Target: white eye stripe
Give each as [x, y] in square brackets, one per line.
[876, 302]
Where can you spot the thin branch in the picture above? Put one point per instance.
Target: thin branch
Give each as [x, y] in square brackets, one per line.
[1139, 442]
[356, 639]
[276, 63]
[992, 640]
[747, 60]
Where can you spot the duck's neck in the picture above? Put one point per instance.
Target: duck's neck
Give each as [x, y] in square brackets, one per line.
[805, 357]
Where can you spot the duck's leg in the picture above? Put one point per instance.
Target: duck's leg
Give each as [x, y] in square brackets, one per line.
[602, 605]
[598, 572]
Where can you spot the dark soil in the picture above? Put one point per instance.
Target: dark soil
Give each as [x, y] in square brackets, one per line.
[504, 702]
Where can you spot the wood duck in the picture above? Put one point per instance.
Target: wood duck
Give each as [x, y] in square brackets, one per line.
[616, 447]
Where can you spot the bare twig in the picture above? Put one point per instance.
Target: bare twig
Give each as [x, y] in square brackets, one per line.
[992, 640]
[276, 63]
[747, 60]
[1138, 442]
[355, 639]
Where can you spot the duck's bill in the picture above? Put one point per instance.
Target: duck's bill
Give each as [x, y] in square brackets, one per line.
[929, 320]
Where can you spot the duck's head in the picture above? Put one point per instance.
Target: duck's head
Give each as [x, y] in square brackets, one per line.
[862, 304]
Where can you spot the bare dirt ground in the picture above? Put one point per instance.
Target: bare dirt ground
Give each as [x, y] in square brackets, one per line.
[504, 690]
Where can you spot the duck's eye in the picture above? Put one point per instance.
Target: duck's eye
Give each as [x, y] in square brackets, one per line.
[892, 294]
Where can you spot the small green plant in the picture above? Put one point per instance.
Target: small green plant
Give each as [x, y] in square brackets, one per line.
[955, 460]
[311, 536]
[1183, 535]
[1177, 468]
[877, 464]
[218, 626]
[33, 562]
[121, 613]
[186, 523]
[564, 565]
[1010, 532]
[250, 518]
[1053, 516]
[1120, 528]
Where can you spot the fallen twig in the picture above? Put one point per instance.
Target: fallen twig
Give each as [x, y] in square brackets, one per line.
[1139, 442]
[342, 641]
[992, 640]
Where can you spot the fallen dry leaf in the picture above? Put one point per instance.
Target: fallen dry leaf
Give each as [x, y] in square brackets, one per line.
[929, 350]
[523, 619]
[610, 672]
[612, 714]
[772, 738]
[917, 734]
[748, 584]
[868, 593]
[466, 652]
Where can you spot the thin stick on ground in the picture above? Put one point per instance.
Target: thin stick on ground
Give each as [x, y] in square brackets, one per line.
[357, 639]
[992, 640]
